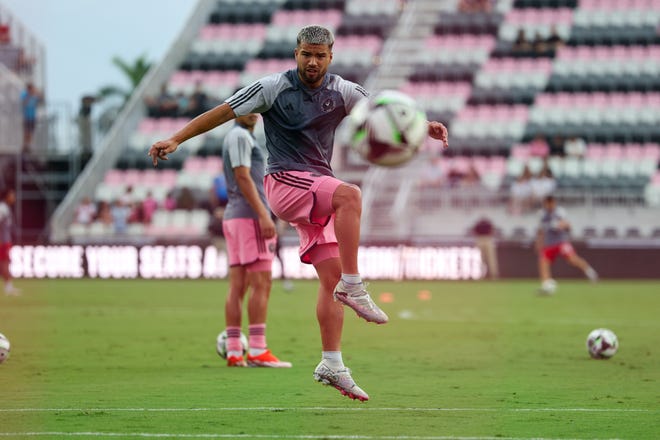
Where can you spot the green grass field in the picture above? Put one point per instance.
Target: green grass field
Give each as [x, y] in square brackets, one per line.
[478, 360]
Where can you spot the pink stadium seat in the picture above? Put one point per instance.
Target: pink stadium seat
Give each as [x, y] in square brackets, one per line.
[651, 151]
[595, 151]
[114, 177]
[194, 164]
[213, 164]
[132, 177]
[613, 151]
[167, 178]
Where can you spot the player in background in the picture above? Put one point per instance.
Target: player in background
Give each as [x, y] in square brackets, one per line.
[8, 198]
[553, 240]
[250, 238]
[301, 110]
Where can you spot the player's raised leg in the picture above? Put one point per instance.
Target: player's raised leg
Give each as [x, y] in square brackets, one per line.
[350, 290]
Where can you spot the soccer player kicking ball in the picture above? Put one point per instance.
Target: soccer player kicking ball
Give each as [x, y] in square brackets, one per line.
[553, 240]
[250, 236]
[301, 110]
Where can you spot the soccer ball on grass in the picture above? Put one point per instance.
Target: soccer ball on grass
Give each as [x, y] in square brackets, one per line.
[221, 344]
[387, 129]
[4, 348]
[602, 343]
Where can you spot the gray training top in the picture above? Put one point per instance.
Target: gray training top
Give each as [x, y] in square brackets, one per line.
[299, 122]
[552, 235]
[240, 148]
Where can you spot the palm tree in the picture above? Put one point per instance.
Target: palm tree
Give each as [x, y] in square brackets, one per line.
[134, 72]
[115, 97]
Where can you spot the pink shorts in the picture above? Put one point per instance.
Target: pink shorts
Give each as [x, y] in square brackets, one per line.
[304, 199]
[246, 246]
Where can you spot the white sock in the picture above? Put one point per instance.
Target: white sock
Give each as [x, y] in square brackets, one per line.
[591, 273]
[256, 351]
[351, 279]
[9, 286]
[332, 359]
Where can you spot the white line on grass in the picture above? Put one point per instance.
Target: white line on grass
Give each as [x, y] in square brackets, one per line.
[265, 436]
[330, 409]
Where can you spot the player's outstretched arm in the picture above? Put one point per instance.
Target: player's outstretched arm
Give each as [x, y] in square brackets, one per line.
[201, 124]
[437, 130]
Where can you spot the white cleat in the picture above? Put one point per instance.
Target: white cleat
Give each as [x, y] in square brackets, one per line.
[340, 379]
[360, 301]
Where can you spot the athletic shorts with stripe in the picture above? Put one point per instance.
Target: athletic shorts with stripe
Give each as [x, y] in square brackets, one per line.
[304, 199]
[246, 246]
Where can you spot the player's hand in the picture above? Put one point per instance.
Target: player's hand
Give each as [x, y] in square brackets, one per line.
[267, 227]
[161, 149]
[438, 131]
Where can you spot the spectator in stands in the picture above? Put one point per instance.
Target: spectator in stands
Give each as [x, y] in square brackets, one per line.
[182, 103]
[104, 214]
[554, 40]
[186, 199]
[539, 45]
[31, 99]
[538, 146]
[128, 197]
[520, 200]
[575, 146]
[170, 201]
[220, 189]
[149, 206]
[552, 241]
[136, 212]
[85, 125]
[521, 44]
[162, 105]
[472, 178]
[7, 199]
[198, 102]
[556, 144]
[120, 214]
[484, 232]
[543, 184]
[85, 212]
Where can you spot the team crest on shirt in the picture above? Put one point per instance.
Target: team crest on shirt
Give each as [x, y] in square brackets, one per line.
[328, 105]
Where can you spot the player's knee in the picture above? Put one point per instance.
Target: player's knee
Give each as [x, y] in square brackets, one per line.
[348, 196]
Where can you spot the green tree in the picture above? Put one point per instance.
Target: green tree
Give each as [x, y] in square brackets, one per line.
[114, 97]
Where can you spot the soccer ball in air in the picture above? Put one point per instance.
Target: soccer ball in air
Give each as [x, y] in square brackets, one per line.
[221, 344]
[4, 348]
[387, 129]
[602, 343]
